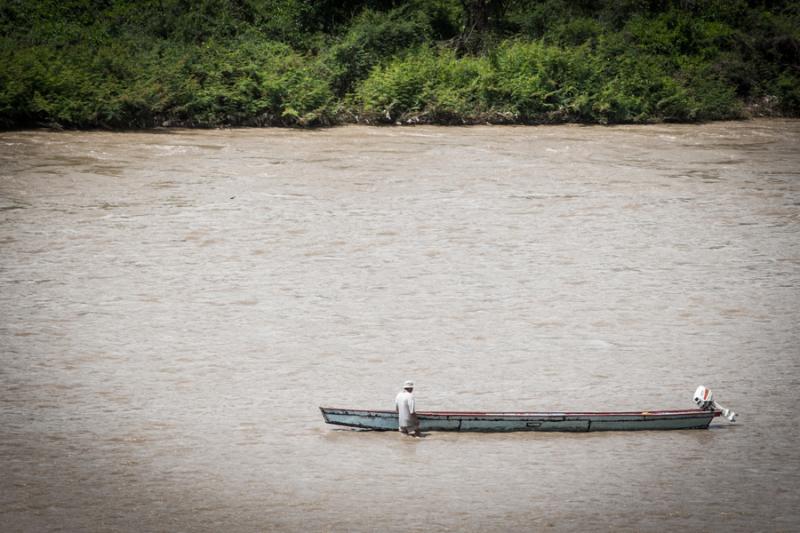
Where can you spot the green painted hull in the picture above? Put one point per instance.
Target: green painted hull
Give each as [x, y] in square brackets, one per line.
[501, 422]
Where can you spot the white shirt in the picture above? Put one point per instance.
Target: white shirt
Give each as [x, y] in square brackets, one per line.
[405, 407]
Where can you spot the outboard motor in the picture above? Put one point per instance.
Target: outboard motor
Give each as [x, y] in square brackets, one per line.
[704, 399]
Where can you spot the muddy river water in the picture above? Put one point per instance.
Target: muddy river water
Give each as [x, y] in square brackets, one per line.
[174, 307]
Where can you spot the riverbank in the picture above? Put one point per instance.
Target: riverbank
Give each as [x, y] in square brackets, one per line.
[155, 64]
[402, 122]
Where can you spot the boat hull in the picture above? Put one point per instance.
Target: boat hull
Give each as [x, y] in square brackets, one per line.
[501, 422]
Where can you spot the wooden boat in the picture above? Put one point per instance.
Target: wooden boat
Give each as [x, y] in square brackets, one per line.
[546, 421]
[505, 421]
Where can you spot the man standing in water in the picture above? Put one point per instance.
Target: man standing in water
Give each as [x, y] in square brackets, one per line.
[406, 411]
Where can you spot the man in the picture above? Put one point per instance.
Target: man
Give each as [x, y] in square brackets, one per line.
[406, 411]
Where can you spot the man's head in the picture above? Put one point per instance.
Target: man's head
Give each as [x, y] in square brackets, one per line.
[409, 386]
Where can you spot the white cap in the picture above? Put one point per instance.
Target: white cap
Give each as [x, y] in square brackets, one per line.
[408, 385]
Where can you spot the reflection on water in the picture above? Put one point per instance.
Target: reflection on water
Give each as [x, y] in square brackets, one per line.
[175, 306]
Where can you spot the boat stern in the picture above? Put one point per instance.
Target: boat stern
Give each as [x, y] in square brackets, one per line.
[704, 399]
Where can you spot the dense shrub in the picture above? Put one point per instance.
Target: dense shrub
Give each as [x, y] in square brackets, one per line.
[244, 82]
[117, 64]
[372, 38]
[534, 82]
[427, 85]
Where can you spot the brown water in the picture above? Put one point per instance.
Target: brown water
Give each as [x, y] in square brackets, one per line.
[174, 307]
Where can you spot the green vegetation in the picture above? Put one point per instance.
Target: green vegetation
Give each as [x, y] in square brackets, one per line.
[146, 63]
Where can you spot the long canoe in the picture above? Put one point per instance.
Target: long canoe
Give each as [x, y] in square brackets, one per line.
[510, 421]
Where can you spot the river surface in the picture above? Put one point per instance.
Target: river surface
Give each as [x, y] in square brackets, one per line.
[174, 307]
